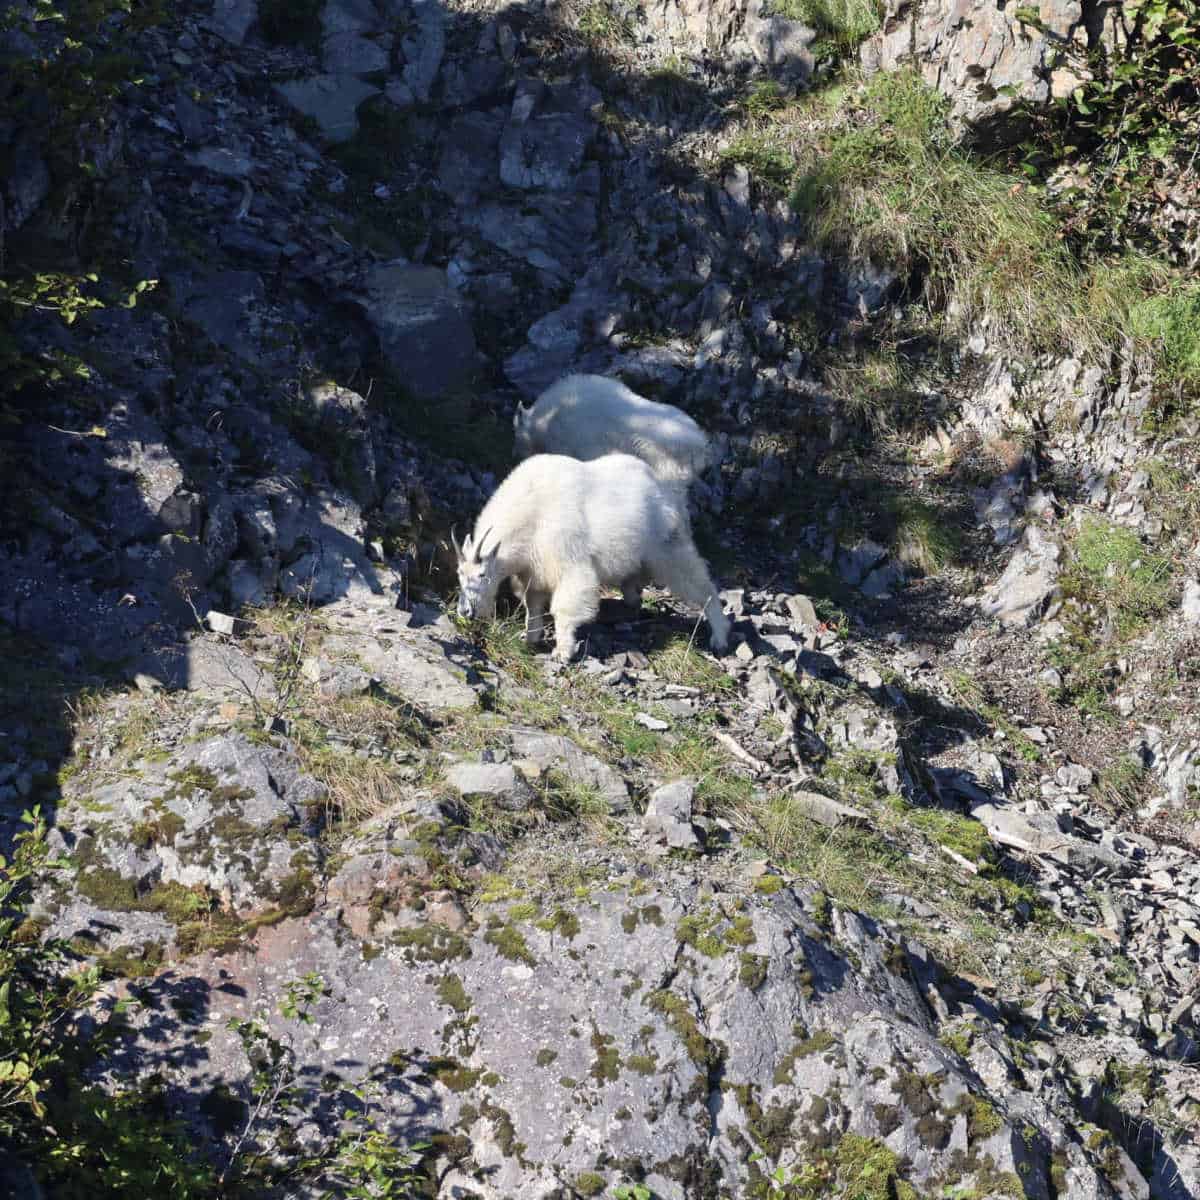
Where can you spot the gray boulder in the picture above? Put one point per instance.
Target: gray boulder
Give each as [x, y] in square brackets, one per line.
[231, 19]
[423, 327]
[1029, 583]
[331, 100]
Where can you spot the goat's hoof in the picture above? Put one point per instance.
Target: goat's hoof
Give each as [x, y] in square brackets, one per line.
[566, 654]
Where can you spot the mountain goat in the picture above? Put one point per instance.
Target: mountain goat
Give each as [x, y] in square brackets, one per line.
[586, 416]
[560, 530]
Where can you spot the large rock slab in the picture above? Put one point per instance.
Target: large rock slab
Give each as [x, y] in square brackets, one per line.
[970, 50]
[423, 327]
[1029, 584]
[651, 1038]
[331, 100]
[409, 666]
[216, 828]
[231, 19]
[552, 750]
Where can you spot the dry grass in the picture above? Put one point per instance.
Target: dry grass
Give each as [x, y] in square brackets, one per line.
[680, 662]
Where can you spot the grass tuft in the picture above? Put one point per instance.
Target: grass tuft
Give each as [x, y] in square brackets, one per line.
[680, 662]
[924, 537]
[840, 24]
[1114, 568]
[764, 156]
[1172, 321]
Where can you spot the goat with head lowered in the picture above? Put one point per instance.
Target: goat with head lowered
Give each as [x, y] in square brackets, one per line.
[560, 530]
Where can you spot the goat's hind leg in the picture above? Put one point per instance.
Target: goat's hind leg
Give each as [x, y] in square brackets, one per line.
[575, 602]
[682, 571]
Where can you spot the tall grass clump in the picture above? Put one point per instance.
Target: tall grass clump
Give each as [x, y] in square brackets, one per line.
[884, 180]
[839, 24]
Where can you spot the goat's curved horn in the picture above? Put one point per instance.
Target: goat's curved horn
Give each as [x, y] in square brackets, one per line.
[479, 544]
[454, 542]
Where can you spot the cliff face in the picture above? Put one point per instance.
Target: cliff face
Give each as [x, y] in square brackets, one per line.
[898, 898]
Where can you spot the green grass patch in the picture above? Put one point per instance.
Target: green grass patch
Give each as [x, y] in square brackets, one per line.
[1171, 320]
[680, 662]
[839, 24]
[925, 536]
[1112, 567]
[963, 835]
[602, 26]
[1121, 783]
[763, 96]
[881, 178]
[766, 158]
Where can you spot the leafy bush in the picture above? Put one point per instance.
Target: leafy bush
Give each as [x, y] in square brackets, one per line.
[1124, 138]
[73, 79]
[84, 1141]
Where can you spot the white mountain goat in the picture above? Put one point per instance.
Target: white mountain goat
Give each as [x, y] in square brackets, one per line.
[560, 530]
[586, 416]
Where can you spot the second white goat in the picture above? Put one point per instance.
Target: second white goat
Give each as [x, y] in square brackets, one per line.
[560, 530]
[585, 416]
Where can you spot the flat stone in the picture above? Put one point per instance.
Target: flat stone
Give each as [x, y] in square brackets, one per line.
[500, 782]
[646, 721]
[220, 160]
[669, 814]
[802, 612]
[825, 811]
[331, 100]
[554, 750]
[408, 666]
[1191, 602]
[1029, 583]
[423, 327]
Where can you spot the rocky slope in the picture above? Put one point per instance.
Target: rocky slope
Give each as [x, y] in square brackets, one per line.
[899, 898]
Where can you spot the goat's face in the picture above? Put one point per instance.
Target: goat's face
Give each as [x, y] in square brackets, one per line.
[478, 577]
[522, 436]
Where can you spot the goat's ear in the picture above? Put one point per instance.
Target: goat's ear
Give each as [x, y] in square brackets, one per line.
[467, 549]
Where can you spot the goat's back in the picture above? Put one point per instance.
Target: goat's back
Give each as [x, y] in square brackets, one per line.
[587, 416]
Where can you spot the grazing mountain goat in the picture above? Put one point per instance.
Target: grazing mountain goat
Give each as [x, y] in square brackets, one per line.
[586, 416]
[560, 530]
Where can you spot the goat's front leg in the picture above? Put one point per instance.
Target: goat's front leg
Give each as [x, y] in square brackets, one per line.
[631, 592]
[535, 617]
[575, 602]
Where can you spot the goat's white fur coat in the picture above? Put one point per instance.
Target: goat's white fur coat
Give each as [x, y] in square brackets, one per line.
[586, 416]
[560, 530]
